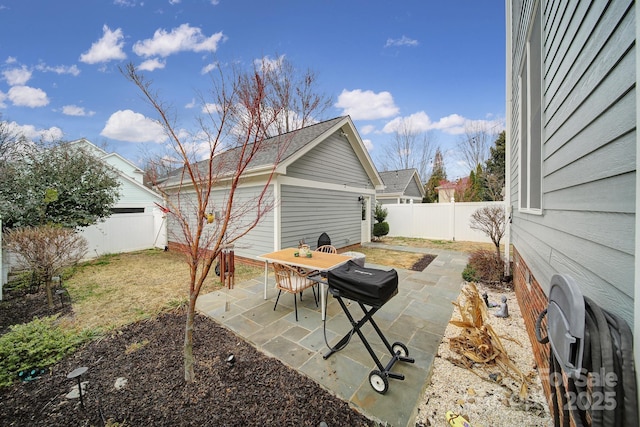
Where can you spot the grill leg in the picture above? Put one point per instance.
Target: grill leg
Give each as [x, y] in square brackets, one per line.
[368, 317]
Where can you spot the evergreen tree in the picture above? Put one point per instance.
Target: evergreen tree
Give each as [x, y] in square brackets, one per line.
[438, 174]
[494, 171]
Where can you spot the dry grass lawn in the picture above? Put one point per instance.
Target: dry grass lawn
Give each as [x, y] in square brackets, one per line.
[115, 290]
[448, 245]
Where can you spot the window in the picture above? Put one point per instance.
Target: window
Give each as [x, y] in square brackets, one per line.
[530, 80]
[126, 210]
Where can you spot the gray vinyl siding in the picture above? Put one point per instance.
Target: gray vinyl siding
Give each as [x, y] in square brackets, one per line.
[308, 212]
[587, 225]
[413, 190]
[332, 161]
[258, 241]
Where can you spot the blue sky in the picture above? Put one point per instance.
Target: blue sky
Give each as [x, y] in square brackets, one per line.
[439, 64]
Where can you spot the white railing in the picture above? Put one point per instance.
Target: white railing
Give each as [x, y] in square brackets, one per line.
[436, 221]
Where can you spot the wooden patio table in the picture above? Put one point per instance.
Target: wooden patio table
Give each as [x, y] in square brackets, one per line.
[320, 261]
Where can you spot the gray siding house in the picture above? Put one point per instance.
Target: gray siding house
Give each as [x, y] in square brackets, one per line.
[400, 186]
[325, 181]
[572, 153]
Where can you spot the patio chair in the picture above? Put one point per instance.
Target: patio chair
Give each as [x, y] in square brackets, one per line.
[328, 249]
[291, 280]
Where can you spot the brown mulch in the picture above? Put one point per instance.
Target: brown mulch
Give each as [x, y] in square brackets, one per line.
[19, 306]
[256, 390]
[423, 262]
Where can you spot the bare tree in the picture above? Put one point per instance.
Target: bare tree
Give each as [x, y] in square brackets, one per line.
[202, 196]
[474, 145]
[46, 250]
[290, 94]
[491, 221]
[409, 149]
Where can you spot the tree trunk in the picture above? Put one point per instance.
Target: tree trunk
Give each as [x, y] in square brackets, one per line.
[47, 285]
[189, 374]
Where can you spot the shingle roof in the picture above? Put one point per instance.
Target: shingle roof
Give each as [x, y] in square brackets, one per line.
[396, 181]
[226, 162]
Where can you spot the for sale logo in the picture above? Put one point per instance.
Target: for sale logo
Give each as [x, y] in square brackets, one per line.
[584, 400]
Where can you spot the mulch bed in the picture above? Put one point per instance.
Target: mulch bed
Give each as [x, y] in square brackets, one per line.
[19, 306]
[256, 390]
[423, 262]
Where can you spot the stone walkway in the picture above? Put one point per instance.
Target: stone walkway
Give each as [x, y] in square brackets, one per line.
[417, 316]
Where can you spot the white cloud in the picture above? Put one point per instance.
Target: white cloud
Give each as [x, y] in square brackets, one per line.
[17, 76]
[210, 108]
[415, 123]
[367, 129]
[74, 110]
[26, 96]
[108, 48]
[368, 144]
[366, 105]
[10, 60]
[208, 68]
[152, 64]
[3, 96]
[59, 69]
[403, 41]
[181, 39]
[266, 63]
[31, 133]
[192, 104]
[127, 125]
[452, 124]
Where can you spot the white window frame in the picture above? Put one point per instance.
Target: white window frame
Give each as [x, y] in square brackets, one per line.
[531, 172]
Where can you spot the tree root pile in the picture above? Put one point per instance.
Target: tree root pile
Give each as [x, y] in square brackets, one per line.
[479, 345]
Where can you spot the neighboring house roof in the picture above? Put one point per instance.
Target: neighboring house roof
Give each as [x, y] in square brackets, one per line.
[452, 185]
[134, 192]
[285, 149]
[397, 183]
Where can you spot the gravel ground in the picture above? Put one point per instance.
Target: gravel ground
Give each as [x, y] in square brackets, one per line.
[482, 401]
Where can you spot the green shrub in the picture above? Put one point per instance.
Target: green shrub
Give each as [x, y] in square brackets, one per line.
[469, 274]
[39, 343]
[380, 229]
[380, 213]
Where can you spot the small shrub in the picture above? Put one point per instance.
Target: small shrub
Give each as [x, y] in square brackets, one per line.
[39, 343]
[469, 274]
[486, 266]
[380, 229]
[380, 213]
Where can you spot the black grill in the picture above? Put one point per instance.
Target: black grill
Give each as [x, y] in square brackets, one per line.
[371, 287]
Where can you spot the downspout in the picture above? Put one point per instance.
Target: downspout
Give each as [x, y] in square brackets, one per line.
[507, 137]
[636, 294]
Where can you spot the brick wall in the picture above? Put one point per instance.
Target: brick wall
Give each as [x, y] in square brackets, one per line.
[533, 301]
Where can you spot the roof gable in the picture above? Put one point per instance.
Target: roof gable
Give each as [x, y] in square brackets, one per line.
[398, 181]
[287, 148]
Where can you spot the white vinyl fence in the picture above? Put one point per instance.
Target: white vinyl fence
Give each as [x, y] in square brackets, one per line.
[126, 233]
[118, 233]
[436, 221]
